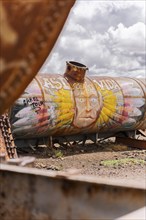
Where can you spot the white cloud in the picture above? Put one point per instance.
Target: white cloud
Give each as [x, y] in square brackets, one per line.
[107, 36]
[128, 39]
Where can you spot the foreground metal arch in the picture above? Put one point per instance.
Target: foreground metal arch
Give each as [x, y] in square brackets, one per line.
[29, 30]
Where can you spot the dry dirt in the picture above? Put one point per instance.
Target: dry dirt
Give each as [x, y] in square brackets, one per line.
[103, 160]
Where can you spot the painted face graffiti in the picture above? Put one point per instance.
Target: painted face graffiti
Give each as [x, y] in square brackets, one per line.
[87, 104]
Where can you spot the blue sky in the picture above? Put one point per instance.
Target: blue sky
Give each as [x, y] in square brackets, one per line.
[107, 36]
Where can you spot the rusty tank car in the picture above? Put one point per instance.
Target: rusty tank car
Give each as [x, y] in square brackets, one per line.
[73, 104]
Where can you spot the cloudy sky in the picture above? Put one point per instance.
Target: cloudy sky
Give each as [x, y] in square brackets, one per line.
[106, 36]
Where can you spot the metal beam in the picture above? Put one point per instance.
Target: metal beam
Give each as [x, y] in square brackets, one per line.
[28, 193]
[141, 144]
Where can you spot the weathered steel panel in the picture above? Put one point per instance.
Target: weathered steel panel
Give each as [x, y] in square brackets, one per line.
[54, 104]
[28, 32]
[40, 195]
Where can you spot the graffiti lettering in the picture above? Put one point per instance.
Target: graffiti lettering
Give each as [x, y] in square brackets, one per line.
[64, 83]
[34, 102]
[106, 84]
[55, 83]
[48, 84]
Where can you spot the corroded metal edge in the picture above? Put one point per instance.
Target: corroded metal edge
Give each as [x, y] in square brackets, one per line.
[26, 45]
[41, 196]
[73, 176]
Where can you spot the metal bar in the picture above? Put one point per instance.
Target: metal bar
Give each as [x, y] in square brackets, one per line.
[141, 144]
[7, 145]
[28, 193]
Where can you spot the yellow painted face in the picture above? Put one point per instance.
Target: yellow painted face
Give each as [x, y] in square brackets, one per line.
[87, 104]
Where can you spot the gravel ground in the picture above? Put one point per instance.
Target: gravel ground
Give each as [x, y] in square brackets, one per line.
[104, 160]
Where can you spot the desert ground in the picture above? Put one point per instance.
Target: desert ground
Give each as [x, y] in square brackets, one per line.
[103, 160]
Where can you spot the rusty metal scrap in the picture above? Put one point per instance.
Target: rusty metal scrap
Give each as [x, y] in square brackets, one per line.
[75, 71]
[3, 149]
[29, 30]
[141, 144]
[38, 194]
[7, 145]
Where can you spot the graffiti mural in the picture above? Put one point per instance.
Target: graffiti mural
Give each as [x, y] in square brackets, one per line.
[66, 104]
[88, 104]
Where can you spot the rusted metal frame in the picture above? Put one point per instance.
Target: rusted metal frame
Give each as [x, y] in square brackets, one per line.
[25, 53]
[7, 148]
[61, 140]
[50, 141]
[58, 195]
[3, 150]
[77, 139]
[141, 144]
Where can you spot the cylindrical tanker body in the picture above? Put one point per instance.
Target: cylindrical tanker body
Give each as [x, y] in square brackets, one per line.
[57, 105]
